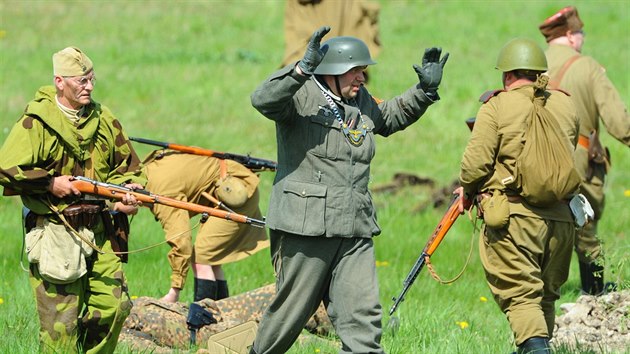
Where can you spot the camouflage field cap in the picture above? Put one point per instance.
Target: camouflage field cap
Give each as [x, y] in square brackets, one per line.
[562, 21]
[71, 61]
[232, 191]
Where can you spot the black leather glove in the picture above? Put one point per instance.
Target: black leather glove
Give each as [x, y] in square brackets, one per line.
[314, 54]
[430, 74]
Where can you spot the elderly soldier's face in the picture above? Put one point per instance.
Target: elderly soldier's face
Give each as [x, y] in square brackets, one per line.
[350, 82]
[75, 91]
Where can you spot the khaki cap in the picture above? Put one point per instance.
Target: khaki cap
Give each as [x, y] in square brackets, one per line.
[562, 21]
[71, 61]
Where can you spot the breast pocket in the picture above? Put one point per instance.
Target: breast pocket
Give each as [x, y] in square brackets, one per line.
[303, 206]
[323, 134]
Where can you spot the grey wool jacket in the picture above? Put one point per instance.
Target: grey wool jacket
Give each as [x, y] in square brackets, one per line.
[321, 183]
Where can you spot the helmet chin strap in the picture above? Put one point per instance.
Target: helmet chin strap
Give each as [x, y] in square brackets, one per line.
[338, 87]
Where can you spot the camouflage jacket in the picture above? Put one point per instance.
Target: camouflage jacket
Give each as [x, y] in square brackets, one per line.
[162, 326]
[44, 143]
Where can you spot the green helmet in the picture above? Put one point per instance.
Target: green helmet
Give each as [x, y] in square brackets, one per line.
[523, 54]
[343, 54]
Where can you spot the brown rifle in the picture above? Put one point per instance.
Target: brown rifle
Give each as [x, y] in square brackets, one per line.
[253, 163]
[108, 190]
[434, 241]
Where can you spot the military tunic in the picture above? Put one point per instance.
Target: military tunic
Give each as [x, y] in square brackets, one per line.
[321, 215]
[595, 98]
[528, 260]
[218, 241]
[44, 144]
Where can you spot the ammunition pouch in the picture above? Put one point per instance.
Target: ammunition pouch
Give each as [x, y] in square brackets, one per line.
[117, 230]
[83, 215]
[597, 155]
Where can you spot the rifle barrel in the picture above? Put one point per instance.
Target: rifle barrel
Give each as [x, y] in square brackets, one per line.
[86, 185]
[434, 241]
[253, 163]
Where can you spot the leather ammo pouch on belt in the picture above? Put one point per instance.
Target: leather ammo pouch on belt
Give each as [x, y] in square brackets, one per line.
[597, 154]
[117, 230]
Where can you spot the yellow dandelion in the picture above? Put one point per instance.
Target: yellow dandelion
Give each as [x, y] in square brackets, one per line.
[462, 324]
[317, 350]
[483, 299]
[1, 301]
[133, 297]
[382, 263]
[626, 193]
[3, 34]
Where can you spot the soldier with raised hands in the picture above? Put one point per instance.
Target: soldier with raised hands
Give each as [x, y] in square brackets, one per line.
[321, 217]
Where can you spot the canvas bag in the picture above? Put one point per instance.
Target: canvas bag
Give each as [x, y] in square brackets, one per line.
[546, 169]
[60, 254]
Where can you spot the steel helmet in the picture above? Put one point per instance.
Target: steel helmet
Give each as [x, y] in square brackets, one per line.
[523, 54]
[343, 54]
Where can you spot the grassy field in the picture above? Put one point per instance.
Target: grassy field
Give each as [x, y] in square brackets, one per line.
[182, 72]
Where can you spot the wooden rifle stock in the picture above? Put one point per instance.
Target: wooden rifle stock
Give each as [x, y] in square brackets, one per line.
[108, 190]
[253, 163]
[434, 241]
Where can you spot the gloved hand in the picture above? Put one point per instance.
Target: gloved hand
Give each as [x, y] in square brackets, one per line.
[430, 74]
[314, 54]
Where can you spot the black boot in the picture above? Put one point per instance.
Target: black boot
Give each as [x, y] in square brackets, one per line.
[222, 289]
[592, 276]
[205, 289]
[535, 345]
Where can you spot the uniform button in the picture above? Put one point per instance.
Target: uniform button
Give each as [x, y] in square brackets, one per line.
[303, 192]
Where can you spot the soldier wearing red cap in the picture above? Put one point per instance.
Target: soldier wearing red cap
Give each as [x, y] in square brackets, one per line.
[595, 98]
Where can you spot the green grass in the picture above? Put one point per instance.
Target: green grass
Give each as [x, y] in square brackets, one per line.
[182, 72]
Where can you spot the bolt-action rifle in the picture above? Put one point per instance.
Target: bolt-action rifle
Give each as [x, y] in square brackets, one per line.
[108, 190]
[253, 163]
[434, 241]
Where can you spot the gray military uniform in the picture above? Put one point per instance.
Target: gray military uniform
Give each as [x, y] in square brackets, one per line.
[321, 215]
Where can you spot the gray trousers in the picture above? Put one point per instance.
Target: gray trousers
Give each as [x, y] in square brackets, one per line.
[339, 271]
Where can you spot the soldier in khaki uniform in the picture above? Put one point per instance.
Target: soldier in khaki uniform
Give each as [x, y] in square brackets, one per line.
[201, 180]
[321, 216]
[595, 98]
[81, 294]
[356, 18]
[526, 257]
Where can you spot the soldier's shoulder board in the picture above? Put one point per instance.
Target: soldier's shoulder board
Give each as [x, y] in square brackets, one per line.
[488, 95]
[561, 90]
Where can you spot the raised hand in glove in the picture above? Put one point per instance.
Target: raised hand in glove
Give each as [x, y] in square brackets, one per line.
[430, 74]
[314, 54]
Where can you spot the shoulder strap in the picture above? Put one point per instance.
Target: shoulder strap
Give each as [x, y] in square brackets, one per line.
[555, 82]
[488, 95]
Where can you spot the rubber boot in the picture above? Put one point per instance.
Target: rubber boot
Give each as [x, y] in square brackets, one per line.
[592, 276]
[205, 289]
[535, 345]
[222, 289]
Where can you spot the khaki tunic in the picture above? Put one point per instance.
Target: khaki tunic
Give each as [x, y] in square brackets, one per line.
[595, 99]
[219, 241]
[356, 18]
[528, 260]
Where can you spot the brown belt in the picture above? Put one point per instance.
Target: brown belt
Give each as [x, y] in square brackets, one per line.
[584, 141]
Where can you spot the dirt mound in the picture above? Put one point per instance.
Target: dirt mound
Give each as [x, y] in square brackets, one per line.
[598, 324]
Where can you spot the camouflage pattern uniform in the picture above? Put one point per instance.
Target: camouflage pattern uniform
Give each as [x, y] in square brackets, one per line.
[89, 312]
[161, 325]
[528, 260]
